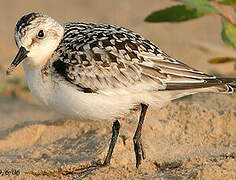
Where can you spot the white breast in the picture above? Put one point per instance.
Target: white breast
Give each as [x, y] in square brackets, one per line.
[41, 88]
[74, 103]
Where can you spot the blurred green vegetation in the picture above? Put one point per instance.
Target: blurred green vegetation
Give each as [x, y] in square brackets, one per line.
[13, 84]
[192, 9]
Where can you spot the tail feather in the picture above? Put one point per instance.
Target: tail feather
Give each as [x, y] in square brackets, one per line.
[229, 81]
[222, 85]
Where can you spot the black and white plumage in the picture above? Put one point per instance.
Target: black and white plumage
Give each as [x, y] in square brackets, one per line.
[88, 51]
[98, 71]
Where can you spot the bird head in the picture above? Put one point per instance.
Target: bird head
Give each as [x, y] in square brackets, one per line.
[36, 36]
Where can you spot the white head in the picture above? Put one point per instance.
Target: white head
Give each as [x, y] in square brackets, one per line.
[37, 36]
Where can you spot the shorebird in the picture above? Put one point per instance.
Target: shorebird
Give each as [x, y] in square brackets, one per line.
[99, 72]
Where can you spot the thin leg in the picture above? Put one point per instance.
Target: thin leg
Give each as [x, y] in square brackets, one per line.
[138, 147]
[115, 133]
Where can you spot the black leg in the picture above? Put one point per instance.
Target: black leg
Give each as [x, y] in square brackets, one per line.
[115, 133]
[138, 147]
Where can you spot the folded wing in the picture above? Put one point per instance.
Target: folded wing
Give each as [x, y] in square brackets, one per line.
[98, 57]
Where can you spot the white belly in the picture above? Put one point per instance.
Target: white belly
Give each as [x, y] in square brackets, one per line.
[74, 103]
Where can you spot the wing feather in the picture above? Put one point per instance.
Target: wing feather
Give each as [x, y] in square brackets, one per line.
[107, 57]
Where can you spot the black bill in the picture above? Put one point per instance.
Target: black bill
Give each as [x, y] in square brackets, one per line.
[21, 55]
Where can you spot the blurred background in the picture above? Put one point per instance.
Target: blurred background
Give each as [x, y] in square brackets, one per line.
[193, 42]
[33, 138]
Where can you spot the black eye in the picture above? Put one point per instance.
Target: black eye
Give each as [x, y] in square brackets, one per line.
[41, 34]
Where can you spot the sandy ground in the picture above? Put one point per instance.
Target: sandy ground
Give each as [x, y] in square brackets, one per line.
[190, 138]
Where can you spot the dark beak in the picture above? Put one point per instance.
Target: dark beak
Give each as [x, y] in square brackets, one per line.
[21, 55]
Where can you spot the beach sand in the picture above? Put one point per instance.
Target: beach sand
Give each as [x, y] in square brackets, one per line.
[190, 138]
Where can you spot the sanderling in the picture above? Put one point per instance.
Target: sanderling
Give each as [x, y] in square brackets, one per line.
[99, 72]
